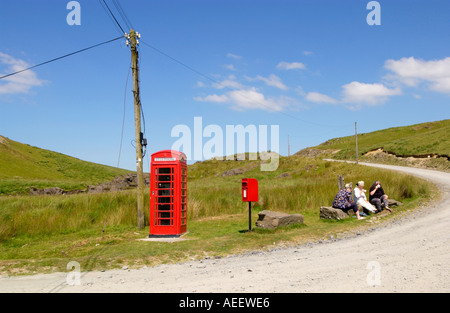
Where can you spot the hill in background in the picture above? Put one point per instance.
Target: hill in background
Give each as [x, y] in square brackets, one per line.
[422, 145]
[23, 166]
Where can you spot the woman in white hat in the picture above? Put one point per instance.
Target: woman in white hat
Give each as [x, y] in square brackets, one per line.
[361, 199]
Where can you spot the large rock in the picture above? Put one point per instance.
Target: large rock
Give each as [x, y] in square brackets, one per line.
[272, 220]
[393, 202]
[46, 191]
[330, 213]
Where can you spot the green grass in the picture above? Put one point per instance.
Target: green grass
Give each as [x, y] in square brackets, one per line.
[420, 139]
[44, 233]
[23, 166]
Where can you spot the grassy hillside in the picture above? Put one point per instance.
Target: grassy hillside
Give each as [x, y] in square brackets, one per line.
[299, 185]
[420, 140]
[44, 233]
[23, 166]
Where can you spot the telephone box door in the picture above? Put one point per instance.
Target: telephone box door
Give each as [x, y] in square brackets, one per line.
[168, 192]
[163, 197]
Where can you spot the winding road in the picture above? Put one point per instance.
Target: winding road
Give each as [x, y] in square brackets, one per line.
[411, 254]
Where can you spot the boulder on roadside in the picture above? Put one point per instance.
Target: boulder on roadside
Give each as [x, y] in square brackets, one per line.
[272, 220]
[329, 213]
[393, 202]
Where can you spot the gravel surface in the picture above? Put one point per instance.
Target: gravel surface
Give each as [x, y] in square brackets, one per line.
[409, 254]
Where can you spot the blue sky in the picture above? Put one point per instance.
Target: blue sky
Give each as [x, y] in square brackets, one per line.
[312, 67]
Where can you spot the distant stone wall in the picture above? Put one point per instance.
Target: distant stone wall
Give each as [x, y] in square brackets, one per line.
[123, 182]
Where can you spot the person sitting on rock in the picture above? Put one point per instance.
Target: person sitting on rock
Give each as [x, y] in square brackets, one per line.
[377, 196]
[344, 201]
[361, 199]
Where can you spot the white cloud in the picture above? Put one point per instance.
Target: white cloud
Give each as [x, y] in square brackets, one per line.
[272, 80]
[291, 66]
[412, 72]
[362, 93]
[230, 67]
[251, 99]
[234, 56]
[357, 94]
[299, 90]
[307, 52]
[229, 83]
[19, 83]
[212, 98]
[200, 84]
[320, 98]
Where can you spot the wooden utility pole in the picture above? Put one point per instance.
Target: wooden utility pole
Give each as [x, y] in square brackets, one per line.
[356, 141]
[137, 120]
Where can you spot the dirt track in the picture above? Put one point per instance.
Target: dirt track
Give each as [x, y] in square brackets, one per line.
[407, 255]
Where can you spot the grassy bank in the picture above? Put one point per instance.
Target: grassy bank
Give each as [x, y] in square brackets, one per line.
[420, 139]
[43, 233]
[23, 166]
[425, 145]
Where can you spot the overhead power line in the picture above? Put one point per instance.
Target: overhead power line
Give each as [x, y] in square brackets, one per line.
[112, 14]
[61, 57]
[231, 89]
[123, 14]
[186, 66]
[110, 17]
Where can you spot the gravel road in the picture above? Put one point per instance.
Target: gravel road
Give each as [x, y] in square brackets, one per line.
[410, 254]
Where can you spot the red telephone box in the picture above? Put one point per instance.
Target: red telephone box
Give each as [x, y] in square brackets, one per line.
[168, 192]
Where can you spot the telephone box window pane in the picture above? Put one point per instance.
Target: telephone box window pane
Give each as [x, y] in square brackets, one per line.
[164, 178]
[165, 200]
[168, 192]
[165, 185]
[165, 170]
[164, 207]
[167, 214]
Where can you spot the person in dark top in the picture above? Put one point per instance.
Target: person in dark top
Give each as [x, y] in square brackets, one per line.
[344, 201]
[377, 196]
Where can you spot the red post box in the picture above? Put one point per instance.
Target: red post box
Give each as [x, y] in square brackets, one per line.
[249, 190]
[168, 192]
[249, 194]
